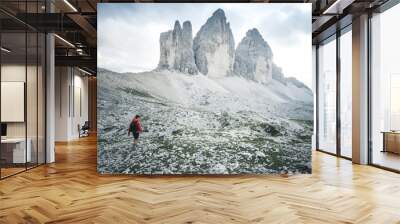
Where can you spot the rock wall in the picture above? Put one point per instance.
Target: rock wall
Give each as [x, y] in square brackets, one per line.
[176, 49]
[214, 46]
[212, 52]
[253, 58]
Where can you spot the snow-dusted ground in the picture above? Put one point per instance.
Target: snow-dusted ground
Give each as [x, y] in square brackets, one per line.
[199, 125]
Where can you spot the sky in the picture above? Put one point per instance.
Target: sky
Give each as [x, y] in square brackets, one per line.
[128, 33]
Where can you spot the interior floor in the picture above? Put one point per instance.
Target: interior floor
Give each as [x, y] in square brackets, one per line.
[71, 191]
[12, 169]
[5, 172]
[387, 159]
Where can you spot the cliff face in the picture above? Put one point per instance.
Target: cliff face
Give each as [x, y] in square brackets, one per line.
[253, 58]
[176, 49]
[214, 46]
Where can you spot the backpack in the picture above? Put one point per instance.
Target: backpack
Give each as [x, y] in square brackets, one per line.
[132, 127]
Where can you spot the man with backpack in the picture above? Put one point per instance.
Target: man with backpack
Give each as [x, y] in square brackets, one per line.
[135, 127]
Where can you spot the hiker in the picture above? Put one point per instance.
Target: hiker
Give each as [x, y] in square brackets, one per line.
[136, 128]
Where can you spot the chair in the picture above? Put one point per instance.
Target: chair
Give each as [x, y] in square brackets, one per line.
[84, 130]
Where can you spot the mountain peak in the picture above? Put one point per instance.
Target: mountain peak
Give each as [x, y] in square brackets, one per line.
[176, 49]
[177, 25]
[253, 58]
[187, 31]
[219, 13]
[214, 46]
[253, 33]
[187, 25]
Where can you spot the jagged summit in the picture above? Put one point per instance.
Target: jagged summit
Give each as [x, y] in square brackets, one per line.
[253, 58]
[188, 38]
[212, 52]
[176, 49]
[214, 46]
[219, 13]
[187, 25]
[177, 25]
[255, 35]
[254, 32]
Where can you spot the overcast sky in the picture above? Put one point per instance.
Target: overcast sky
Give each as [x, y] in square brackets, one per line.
[128, 33]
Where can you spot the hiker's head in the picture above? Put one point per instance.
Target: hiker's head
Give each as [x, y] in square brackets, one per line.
[137, 116]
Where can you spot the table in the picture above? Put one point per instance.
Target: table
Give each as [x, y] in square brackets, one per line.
[391, 141]
[13, 150]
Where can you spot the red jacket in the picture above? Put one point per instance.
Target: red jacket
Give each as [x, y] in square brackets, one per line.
[138, 125]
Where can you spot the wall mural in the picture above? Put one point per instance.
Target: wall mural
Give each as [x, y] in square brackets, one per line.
[180, 91]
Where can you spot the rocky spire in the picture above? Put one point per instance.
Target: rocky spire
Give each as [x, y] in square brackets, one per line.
[176, 49]
[253, 58]
[214, 46]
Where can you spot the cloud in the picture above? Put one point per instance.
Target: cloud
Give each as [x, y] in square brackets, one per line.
[288, 24]
[128, 33]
